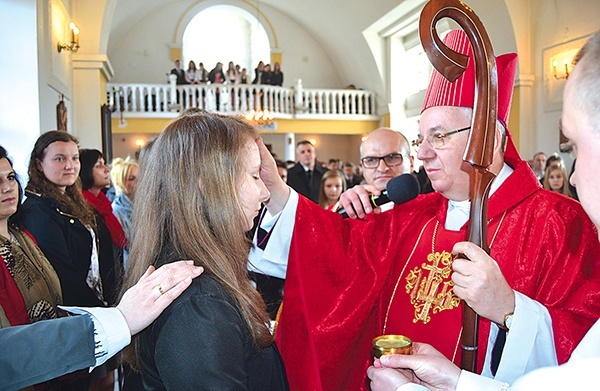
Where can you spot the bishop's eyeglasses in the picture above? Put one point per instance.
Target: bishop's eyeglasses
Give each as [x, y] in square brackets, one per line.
[436, 140]
[391, 160]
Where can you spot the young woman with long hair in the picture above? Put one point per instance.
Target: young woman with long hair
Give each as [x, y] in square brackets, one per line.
[124, 176]
[202, 190]
[333, 184]
[29, 286]
[556, 180]
[65, 228]
[95, 177]
[61, 220]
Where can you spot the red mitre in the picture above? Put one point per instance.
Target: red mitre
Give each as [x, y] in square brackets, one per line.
[461, 92]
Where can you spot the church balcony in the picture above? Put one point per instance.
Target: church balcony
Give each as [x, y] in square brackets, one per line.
[135, 100]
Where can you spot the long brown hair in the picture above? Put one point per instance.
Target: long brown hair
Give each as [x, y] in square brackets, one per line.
[189, 184]
[71, 200]
[323, 202]
[557, 167]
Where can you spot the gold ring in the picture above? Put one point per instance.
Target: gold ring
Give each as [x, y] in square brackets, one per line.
[160, 289]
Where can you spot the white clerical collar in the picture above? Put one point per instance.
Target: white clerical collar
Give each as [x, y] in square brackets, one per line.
[458, 211]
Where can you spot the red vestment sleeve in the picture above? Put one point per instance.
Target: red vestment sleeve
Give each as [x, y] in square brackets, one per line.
[331, 308]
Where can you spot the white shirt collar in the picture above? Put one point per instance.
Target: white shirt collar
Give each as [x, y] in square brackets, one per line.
[458, 211]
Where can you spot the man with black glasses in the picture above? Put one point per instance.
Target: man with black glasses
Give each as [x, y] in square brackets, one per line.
[384, 154]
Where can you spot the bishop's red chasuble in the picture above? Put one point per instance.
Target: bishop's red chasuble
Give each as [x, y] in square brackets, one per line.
[349, 281]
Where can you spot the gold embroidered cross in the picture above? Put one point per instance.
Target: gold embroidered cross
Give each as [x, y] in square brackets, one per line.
[423, 290]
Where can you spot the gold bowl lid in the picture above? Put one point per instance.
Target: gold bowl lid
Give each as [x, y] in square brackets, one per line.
[391, 344]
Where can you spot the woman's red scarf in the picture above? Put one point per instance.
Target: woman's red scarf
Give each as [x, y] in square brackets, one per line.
[102, 205]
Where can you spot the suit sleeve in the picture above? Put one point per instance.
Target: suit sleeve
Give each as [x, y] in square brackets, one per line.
[48, 349]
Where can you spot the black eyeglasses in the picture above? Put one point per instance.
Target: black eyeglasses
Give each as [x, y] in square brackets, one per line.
[436, 140]
[391, 160]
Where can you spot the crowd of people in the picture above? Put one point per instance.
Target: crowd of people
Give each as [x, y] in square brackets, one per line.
[208, 180]
[70, 238]
[233, 75]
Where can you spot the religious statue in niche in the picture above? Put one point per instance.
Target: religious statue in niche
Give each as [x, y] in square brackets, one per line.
[61, 114]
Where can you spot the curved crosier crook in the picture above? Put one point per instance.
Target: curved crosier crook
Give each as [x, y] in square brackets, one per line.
[480, 147]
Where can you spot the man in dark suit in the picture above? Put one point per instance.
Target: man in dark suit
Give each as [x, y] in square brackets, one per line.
[177, 71]
[352, 179]
[305, 176]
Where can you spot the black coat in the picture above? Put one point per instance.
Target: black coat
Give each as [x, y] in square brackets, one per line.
[67, 244]
[298, 181]
[180, 76]
[355, 180]
[201, 342]
[277, 78]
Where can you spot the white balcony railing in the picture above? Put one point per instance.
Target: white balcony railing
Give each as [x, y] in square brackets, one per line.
[134, 100]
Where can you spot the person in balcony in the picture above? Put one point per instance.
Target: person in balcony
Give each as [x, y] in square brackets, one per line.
[233, 77]
[277, 75]
[190, 74]
[217, 76]
[201, 74]
[180, 73]
[258, 72]
[232, 74]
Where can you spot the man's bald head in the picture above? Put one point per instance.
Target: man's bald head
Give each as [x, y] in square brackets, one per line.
[380, 143]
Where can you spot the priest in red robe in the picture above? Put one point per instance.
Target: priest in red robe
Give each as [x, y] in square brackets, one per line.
[349, 281]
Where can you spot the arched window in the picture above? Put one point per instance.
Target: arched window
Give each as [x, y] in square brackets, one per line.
[225, 33]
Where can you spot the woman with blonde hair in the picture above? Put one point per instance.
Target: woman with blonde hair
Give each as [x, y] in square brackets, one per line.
[333, 184]
[124, 177]
[202, 191]
[555, 179]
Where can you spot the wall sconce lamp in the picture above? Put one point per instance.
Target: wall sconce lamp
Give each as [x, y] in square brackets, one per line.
[140, 142]
[74, 45]
[566, 61]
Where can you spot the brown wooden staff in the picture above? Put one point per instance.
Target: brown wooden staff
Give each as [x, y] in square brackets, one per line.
[479, 151]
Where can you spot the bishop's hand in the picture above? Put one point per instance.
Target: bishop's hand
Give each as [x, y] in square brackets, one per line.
[479, 281]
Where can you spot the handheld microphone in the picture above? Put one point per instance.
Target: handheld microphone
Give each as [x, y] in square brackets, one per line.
[400, 189]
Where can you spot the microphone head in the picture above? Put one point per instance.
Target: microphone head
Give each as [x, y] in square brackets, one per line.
[403, 188]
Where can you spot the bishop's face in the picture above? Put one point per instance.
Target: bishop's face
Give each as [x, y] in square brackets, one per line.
[446, 170]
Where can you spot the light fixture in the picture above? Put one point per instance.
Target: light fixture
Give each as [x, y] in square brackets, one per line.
[555, 72]
[262, 118]
[74, 45]
[140, 142]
